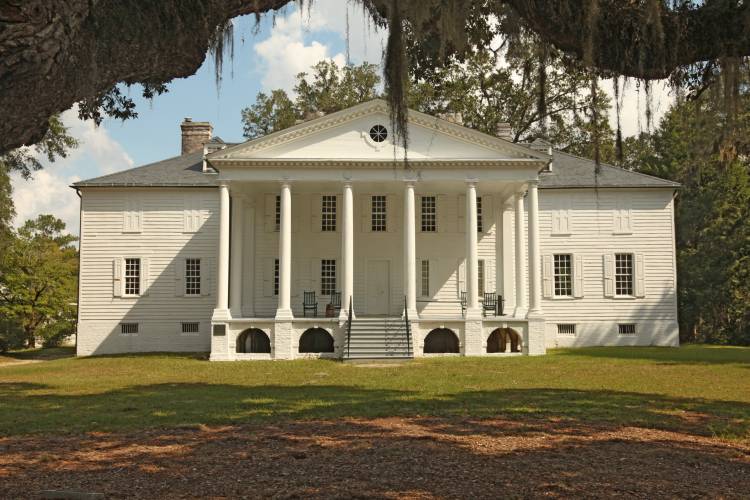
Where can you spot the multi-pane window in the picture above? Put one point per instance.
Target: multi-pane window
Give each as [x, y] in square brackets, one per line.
[377, 221]
[327, 276]
[277, 216]
[132, 276]
[563, 276]
[623, 274]
[276, 276]
[480, 275]
[192, 276]
[429, 214]
[328, 218]
[480, 227]
[425, 278]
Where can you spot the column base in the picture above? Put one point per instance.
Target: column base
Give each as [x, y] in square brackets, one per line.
[520, 312]
[221, 315]
[413, 315]
[473, 335]
[537, 344]
[473, 314]
[284, 315]
[282, 339]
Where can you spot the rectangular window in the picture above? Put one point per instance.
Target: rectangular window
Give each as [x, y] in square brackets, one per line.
[377, 222]
[277, 219]
[567, 329]
[480, 274]
[623, 274]
[129, 328]
[563, 276]
[480, 228]
[429, 214]
[626, 328]
[328, 214]
[192, 276]
[132, 276]
[327, 276]
[191, 327]
[276, 276]
[425, 278]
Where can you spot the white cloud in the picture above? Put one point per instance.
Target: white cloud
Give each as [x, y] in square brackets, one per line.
[285, 53]
[49, 192]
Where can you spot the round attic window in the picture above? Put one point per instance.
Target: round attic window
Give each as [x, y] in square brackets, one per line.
[378, 133]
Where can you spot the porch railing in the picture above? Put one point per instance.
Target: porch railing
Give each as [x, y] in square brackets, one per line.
[349, 329]
[407, 325]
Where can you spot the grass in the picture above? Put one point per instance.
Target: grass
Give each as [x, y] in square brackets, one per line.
[697, 389]
[39, 354]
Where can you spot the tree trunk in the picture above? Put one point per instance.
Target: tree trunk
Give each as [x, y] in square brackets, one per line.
[30, 334]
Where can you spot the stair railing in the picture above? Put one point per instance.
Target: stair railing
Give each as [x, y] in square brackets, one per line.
[408, 326]
[349, 330]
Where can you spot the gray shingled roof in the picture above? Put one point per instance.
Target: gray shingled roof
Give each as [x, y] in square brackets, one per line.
[180, 171]
[568, 171]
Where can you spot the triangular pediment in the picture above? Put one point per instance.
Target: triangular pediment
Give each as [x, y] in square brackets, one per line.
[346, 135]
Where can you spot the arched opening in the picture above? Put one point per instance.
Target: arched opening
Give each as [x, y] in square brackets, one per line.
[441, 341]
[502, 339]
[253, 340]
[316, 340]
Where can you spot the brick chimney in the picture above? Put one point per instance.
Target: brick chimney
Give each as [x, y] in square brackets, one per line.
[194, 135]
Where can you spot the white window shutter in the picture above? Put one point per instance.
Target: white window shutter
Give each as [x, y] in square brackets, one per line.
[179, 277]
[418, 213]
[296, 278]
[565, 221]
[625, 218]
[461, 277]
[269, 213]
[640, 288]
[488, 214]
[268, 275]
[207, 273]
[556, 222]
[365, 213]
[316, 209]
[443, 212]
[461, 213]
[489, 276]
[315, 271]
[339, 212]
[117, 277]
[578, 276]
[609, 273]
[547, 276]
[145, 279]
[392, 219]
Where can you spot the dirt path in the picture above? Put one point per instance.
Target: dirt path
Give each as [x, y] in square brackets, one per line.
[383, 458]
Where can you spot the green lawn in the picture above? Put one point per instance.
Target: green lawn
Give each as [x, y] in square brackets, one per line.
[696, 389]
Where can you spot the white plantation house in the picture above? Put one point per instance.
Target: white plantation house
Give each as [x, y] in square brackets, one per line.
[320, 240]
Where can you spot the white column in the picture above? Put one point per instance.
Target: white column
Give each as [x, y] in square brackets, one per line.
[284, 309]
[520, 259]
[535, 264]
[222, 280]
[347, 250]
[506, 249]
[410, 251]
[472, 260]
[236, 278]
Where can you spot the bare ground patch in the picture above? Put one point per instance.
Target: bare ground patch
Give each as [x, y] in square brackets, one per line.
[383, 458]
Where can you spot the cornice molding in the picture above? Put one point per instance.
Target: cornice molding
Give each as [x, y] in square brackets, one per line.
[378, 164]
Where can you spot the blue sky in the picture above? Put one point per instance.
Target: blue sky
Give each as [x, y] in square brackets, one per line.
[267, 56]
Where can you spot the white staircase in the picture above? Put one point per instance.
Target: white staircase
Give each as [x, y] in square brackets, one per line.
[378, 338]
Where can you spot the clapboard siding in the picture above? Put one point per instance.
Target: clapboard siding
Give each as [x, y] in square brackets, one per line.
[592, 234]
[164, 242]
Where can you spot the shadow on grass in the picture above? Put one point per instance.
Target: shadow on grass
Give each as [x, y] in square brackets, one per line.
[688, 354]
[25, 407]
[42, 353]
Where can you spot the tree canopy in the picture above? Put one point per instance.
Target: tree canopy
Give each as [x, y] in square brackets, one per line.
[62, 53]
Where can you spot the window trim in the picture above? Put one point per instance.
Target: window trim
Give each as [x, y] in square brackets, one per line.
[424, 278]
[569, 276]
[630, 295]
[328, 277]
[139, 277]
[328, 213]
[424, 219]
[199, 276]
[381, 224]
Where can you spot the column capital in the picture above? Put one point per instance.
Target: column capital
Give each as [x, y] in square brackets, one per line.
[533, 183]
[285, 184]
[472, 182]
[347, 184]
[224, 183]
[410, 182]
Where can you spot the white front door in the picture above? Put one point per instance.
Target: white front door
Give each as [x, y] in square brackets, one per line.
[378, 287]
